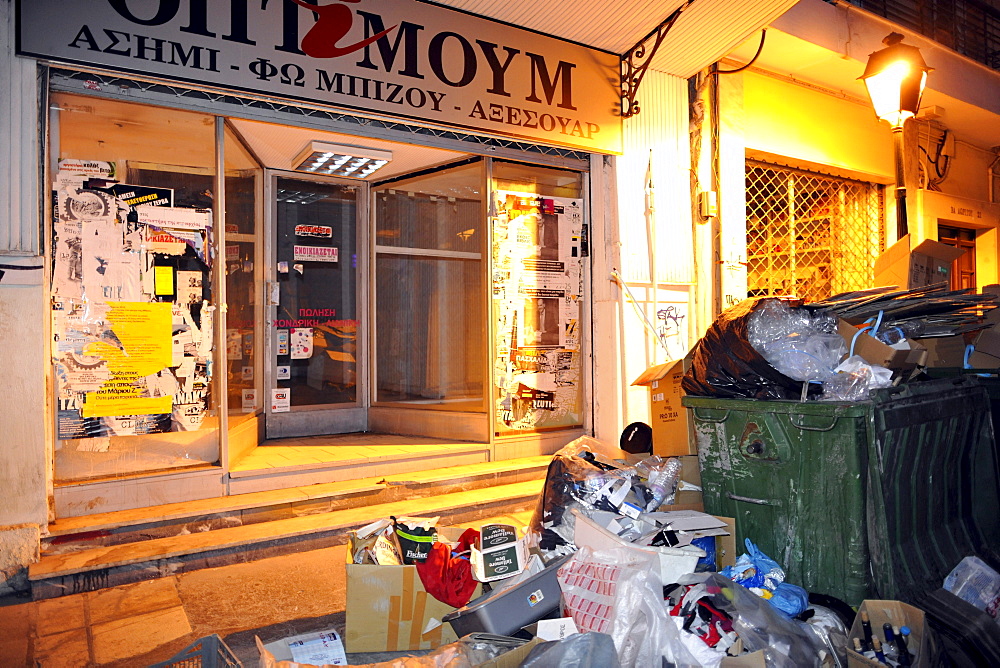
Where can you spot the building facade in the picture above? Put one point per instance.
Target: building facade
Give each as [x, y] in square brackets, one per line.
[222, 224]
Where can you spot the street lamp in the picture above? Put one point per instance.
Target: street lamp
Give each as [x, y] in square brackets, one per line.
[895, 78]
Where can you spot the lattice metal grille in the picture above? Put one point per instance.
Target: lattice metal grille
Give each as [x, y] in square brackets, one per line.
[224, 103]
[808, 234]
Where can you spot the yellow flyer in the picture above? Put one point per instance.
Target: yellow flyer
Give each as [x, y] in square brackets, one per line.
[144, 331]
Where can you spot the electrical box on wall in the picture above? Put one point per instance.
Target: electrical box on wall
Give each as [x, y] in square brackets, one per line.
[708, 201]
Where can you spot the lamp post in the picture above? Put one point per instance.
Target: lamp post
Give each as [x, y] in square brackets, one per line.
[895, 78]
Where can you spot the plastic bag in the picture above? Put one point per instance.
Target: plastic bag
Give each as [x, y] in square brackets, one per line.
[754, 569]
[975, 582]
[726, 364]
[789, 599]
[787, 643]
[765, 577]
[831, 630]
[580, 650]
[854, 379]
[802, 345]
[581, 475]
[619, 592]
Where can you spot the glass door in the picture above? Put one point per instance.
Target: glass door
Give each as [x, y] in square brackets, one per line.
[315, 318]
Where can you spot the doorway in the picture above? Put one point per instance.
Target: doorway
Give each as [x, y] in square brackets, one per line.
[314, 314]
[963, 270]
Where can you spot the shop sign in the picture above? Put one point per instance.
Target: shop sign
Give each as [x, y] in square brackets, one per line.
[314, 231]
[316, 253]
[400, 58]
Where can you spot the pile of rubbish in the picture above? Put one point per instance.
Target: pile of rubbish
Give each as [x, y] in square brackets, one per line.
[837, 349]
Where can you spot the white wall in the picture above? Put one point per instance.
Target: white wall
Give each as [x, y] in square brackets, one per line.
[646, 237]
[23, 455]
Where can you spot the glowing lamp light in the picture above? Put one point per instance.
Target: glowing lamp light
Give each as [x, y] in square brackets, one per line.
[895, 77]
[336, 160]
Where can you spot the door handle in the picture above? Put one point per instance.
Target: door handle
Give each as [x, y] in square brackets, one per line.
[749, 499]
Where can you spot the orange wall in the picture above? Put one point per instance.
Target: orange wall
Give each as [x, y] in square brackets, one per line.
[809, 125]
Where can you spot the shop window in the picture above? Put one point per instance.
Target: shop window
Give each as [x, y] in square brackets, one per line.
[963, 270]
[244, 313]
[429, 302]
[133, 301]
[810, 235]
[538, 249]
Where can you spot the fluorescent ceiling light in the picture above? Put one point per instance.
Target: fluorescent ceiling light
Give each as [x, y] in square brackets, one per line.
[340, 160]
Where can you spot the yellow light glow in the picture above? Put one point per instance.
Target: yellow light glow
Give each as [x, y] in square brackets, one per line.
[884, 89]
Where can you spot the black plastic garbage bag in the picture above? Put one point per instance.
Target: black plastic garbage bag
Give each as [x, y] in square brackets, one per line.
[726, 365]
[569, 480]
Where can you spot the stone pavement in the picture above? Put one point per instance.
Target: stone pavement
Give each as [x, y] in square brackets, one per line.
[149, 622]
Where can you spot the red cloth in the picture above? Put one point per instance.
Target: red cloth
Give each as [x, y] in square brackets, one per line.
[448, 578]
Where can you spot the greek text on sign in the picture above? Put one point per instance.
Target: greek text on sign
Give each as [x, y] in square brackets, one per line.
[316, 253]
[402, 58]
[313, 231]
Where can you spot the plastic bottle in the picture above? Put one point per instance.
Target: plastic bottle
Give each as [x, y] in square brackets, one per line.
[661, 478]
[905, 330]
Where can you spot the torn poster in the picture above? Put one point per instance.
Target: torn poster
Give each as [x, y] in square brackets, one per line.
[135, 196]
[132, 325]
[176, 217]
[537, 287]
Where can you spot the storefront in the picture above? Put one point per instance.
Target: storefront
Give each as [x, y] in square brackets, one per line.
[318, 229]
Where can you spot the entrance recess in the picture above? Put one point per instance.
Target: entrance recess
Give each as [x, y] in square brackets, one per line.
[315, 318]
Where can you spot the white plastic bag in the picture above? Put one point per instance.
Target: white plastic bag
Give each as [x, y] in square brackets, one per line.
[618, 592]
[975, 582]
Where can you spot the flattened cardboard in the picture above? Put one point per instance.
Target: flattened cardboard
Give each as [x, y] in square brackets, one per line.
[897, 614]
[673, 434]
[978, 360]
[912, 266]
[988, 342]
[875, 352]
[753, 660]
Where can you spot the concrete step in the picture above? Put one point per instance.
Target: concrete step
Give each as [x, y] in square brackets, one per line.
[109, 566]
[127, 526]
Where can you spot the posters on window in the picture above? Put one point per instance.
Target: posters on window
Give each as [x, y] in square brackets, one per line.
[132, 320]
[537, 287]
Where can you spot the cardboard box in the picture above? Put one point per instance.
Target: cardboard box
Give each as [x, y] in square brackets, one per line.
[673, 433]
[513, 658]
[905, 355]
[897, 614]
[688, 499]
[945, 351]
[499, 553]
[388, 608]
[912, 266]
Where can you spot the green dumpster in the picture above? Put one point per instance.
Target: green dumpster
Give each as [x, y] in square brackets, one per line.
[874, 499]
